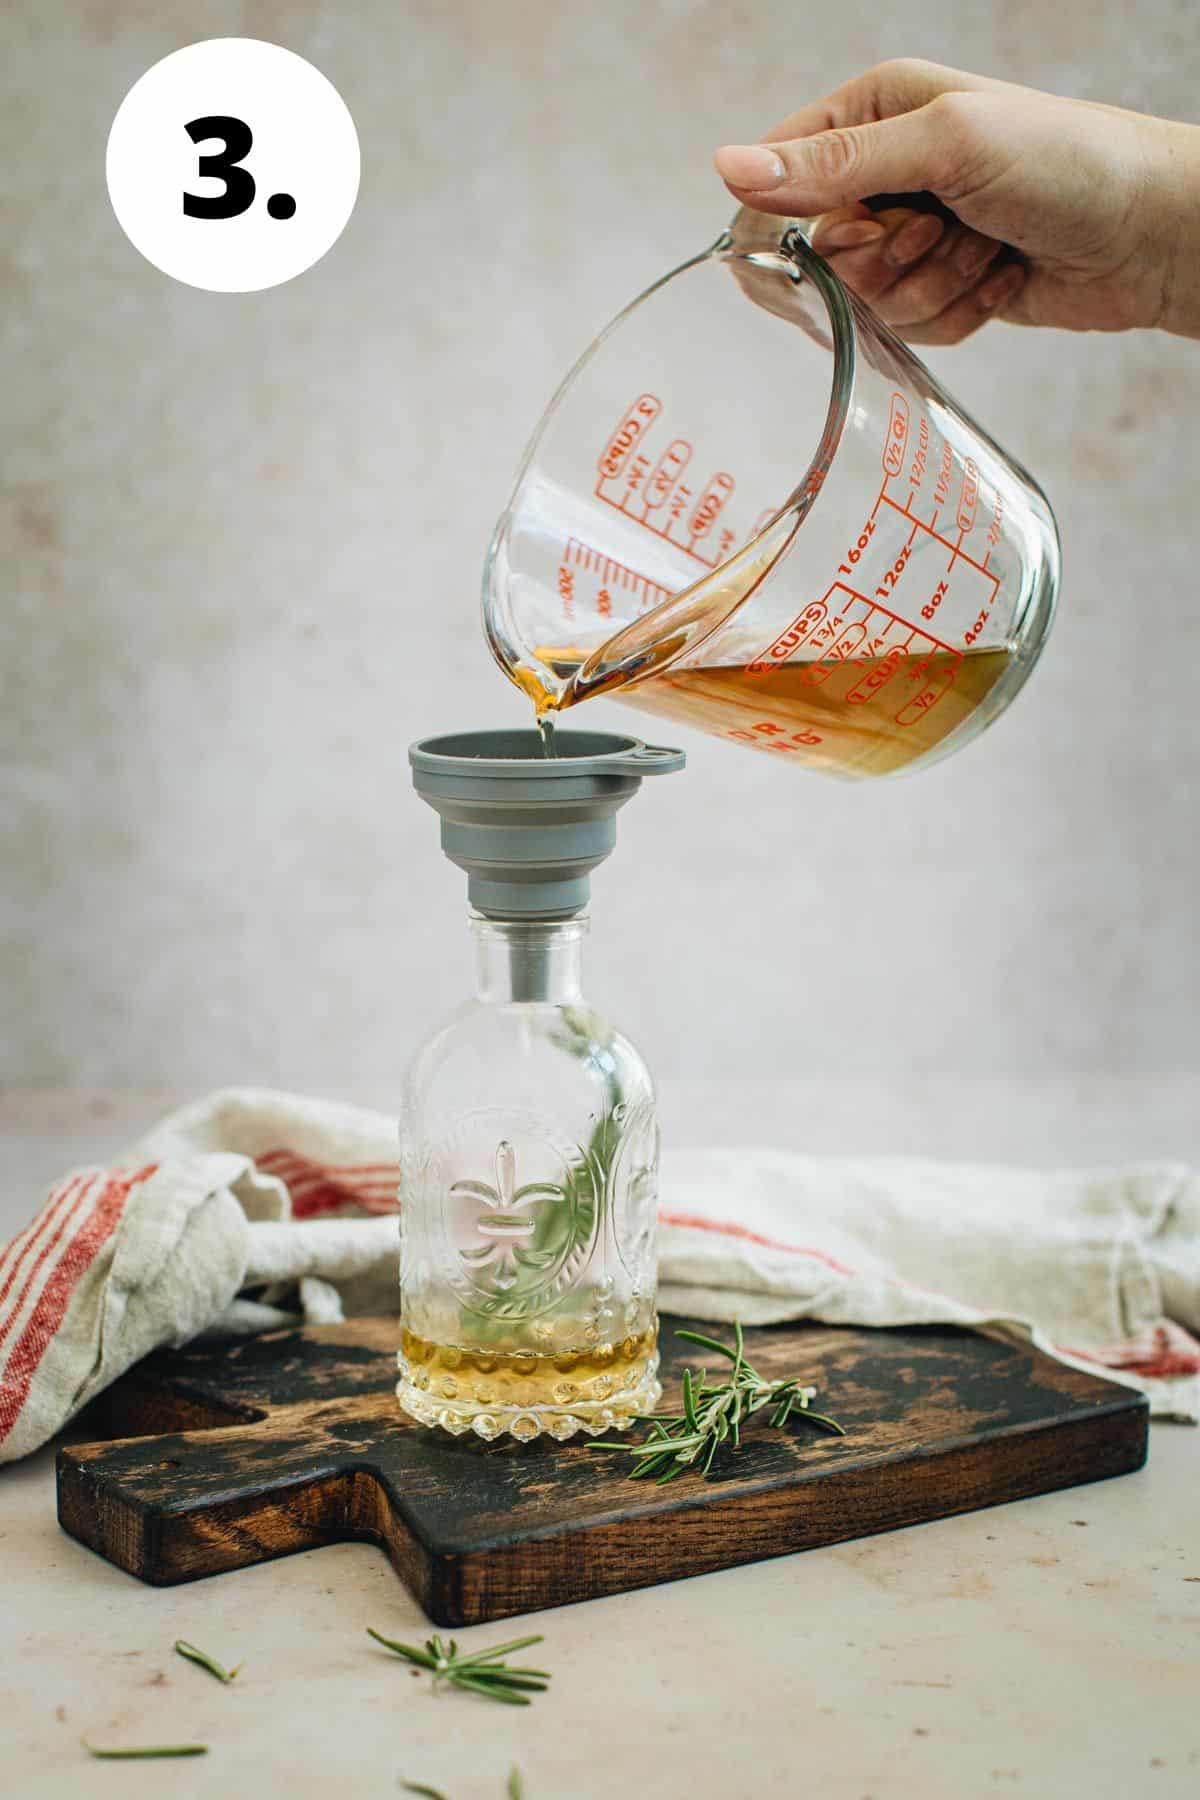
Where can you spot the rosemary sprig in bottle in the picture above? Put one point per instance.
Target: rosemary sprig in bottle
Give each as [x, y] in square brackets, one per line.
[714, 1413]
[558, 1231]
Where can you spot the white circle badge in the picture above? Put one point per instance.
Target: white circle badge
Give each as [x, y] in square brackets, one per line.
[232, 165]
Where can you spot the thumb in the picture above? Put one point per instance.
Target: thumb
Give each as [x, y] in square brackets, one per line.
[810, 175]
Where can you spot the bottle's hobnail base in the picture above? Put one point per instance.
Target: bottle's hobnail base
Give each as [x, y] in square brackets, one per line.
[616, 1412]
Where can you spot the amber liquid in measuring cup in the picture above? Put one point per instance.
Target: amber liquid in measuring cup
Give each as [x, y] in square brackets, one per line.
[855, 715]
[858, 717]
[805, 711]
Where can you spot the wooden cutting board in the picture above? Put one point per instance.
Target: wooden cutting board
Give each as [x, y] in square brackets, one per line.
[229, 1454]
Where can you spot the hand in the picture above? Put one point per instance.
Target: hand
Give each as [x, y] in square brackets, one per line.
[1064, 212]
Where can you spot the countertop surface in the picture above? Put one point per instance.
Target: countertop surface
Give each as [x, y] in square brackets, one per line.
[1045, 1649]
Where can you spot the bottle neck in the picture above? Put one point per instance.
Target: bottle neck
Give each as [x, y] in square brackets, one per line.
[520, 961]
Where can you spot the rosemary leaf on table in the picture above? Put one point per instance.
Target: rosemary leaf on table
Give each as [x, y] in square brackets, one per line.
[481, 1672]
[202, 1658]
[513, 1788]
[118, 1754]
[714, 1414]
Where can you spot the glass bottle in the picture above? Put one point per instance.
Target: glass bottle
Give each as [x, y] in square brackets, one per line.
[529, 1154]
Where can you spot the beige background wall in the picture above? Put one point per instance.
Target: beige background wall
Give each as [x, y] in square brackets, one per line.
[241, 539]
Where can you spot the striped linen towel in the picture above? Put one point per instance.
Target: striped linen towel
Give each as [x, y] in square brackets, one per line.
[251, 1210]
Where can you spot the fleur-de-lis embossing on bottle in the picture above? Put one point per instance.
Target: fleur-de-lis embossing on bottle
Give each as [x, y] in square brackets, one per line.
[509, 1224]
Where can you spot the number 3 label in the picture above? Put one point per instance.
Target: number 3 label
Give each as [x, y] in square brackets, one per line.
[232, 165]
[238, 196]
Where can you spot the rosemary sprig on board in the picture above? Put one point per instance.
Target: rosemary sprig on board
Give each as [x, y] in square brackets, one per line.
[714, 1413]
[138, 1750]
[482, 1672]
[201, 1657]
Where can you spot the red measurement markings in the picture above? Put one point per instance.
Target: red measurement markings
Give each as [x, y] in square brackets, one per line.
[632, 427]
[969, 497]
[941, 488]
[897, 437]
[677, 506]
[920, 704]
[796, 634]
[974, 632]
[670, 466]
[892, 576]
[609, 575]
[635, 475]
[997, 520]
[896, 619]
[856, 549]
[916, 469]
[819, 624]
[712, 502]
[663, 523]
[841, 649]
[895, 660]
[877, 676]
[627, 473]
[825, 634]
[957, 553]
[965, 518]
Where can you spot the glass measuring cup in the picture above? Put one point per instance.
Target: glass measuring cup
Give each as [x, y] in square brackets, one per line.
[751, 509]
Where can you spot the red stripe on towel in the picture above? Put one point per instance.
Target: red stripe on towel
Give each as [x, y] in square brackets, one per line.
[696, 1222]
[76, 1259]
[317, 1188]
[82, 1185]
[24, 1241]
[1160, 1351]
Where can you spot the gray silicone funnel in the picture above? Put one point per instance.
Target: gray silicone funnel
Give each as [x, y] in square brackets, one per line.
[529, 828]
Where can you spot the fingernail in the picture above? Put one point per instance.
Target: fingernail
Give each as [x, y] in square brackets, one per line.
[973, 255]
[749, 166]
[849, 235]
[915, 238]
[1001, 286]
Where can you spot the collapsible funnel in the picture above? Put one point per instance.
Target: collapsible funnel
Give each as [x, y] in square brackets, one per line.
[529, 828]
